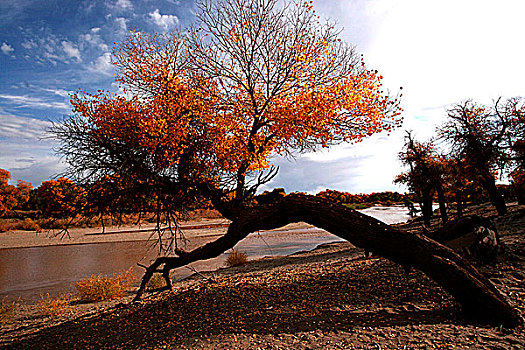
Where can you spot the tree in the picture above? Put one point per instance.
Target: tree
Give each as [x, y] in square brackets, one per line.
[514, 110]
[518, 174]
[458, 187]
[12, 197]
[425, 177]
[478, 134]
[208, 110]
[60, 198]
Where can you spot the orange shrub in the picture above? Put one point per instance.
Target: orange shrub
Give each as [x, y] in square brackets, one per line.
[236, 258]
[99, 288]
[50, 306]
[7, 309]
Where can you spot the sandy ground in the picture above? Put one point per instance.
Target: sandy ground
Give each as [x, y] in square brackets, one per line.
[201, 228]
[328, 298]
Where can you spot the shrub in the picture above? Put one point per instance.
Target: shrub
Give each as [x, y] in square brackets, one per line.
[29, 225]
[7, 309]
[236, 258]
[25, 225]
[99, 288]
[157, 280]
[54, 306]
[355, 206]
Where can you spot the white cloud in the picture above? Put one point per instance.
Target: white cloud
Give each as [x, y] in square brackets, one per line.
[71, 50]
[29, 44]
[6, 48]
[33, 102]
[14, 127]
[122, 23]
[102, 65]
[441, 53]
[124, 4]
[24, 162]
[368, 166]
[59, 92]
[163, 21]
[94, 40]
[27, 149]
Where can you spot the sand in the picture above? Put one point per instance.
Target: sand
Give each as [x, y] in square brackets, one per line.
[329, 298]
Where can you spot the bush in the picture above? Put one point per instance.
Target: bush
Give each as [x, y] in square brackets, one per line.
[99, 288]
[29, 225]
[356, 206]
[236, 258]
[7, 309]
[157, 280]
[54, 306]
[26, 225]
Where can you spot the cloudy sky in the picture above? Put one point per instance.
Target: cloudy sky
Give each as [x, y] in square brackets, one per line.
[440, 52]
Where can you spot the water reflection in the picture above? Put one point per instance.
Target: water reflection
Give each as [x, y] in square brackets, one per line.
[30, 272]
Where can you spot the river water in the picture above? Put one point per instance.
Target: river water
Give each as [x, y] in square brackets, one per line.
[28, 273]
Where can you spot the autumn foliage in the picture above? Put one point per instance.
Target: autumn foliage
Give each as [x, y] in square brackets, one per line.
[12, 197]
[481, 145]
[210, 108]
[61, 198]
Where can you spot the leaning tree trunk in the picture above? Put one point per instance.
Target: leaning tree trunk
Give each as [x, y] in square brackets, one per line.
[459, 205]
[495, 196]
[442, 204]
[519, 189]
[426, 206]
[478, 297]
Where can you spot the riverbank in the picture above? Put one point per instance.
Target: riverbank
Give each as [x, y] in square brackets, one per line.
[328, 298]
[125, 233]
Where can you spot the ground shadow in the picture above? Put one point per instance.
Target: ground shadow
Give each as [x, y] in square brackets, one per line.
[340, 296]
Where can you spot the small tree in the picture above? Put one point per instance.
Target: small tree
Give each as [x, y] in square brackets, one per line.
[518, 174]
[514, 109]
[12, 197]
[478, 134]
[60, 198]
[425, 177]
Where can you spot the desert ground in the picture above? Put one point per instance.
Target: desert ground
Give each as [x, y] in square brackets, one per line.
[329, 298]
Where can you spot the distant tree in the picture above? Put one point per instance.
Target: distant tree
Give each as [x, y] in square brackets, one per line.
[12, 197]
[514, 110]
[518, 174]
[477, 134]
[60, 198]
[425, 175]
[458, 187]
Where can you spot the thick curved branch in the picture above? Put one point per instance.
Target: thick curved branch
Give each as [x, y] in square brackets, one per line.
[479, 298]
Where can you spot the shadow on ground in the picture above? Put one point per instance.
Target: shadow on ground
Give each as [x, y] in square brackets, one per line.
[332, 293]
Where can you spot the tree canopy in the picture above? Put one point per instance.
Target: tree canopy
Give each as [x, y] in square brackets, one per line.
[213, 105]
[487, 138]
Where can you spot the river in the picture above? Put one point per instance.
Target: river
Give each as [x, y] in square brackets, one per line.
[28, 273]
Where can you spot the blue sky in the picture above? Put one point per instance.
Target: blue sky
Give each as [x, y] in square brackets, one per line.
[441, 52]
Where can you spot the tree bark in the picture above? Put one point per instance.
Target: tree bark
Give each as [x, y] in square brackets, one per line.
[479, 299]
[426, 206]
[459, 205]
[495, 196]
[519, 189]
[442, 204]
